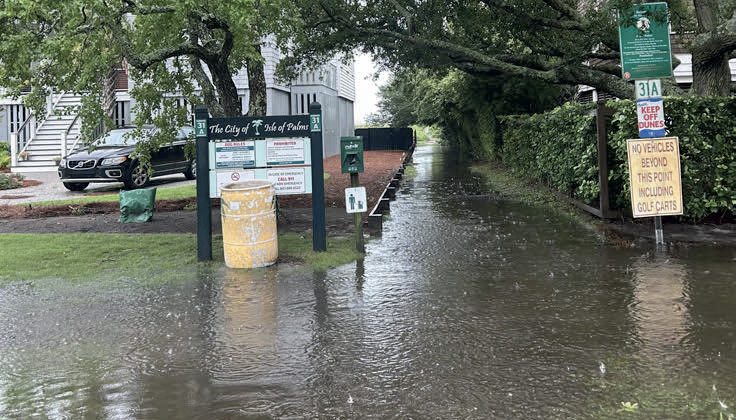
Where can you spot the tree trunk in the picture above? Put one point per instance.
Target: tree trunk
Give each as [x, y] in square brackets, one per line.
[256, 85]
[711, 73]
[222, 78]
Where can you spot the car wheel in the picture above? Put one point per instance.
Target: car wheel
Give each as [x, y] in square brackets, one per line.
[191, 172]
[75, 186]
[137, 177]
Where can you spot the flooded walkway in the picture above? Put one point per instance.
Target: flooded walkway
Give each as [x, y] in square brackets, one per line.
[468, 307]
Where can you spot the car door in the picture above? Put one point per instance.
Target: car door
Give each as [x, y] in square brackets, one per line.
[179, 148]
[162, 159]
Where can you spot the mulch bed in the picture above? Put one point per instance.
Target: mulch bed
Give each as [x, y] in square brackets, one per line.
[380, 166]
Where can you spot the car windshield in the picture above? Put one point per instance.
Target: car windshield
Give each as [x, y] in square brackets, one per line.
[117, 138]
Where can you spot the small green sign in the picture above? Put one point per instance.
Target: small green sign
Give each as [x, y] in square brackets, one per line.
[200, 128]
[644, 36]
[315, 122]
[351, 155]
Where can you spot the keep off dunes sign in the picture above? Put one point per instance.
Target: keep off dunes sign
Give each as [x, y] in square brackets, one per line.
[654, 171]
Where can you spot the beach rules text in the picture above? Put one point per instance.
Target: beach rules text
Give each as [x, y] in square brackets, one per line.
[654, 169]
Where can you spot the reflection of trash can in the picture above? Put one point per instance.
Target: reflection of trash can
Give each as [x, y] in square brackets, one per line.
[137, 206]
[249, 224]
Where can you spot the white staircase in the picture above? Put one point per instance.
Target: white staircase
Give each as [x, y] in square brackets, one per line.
[48, 140]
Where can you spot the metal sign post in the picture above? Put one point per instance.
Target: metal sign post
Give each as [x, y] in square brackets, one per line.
[204, 206]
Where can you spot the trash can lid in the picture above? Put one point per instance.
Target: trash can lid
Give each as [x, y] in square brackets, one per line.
[247, 185]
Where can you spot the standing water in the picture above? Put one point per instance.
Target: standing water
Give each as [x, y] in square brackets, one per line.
[469, 306]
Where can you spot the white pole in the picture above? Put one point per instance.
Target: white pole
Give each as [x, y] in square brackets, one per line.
[14, 149]
[63, 144]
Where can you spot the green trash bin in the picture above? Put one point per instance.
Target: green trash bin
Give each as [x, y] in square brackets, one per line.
[137, 206]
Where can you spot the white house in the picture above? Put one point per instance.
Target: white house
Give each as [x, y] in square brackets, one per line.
[37, 144]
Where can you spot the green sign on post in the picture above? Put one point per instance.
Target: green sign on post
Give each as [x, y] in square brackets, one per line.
[644, 37]
[315, 122]
[351, 155]
[200, 128]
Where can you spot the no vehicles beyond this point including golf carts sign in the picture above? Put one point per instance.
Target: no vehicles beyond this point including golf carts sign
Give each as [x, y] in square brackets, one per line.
[356, 200]
[654, 168]
[644, 37]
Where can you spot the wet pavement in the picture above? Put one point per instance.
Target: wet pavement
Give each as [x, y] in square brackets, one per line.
[469, 306]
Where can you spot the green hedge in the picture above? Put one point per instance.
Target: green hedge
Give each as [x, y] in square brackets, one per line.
[559, 148]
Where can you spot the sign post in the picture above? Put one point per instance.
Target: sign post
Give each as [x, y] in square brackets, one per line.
[654, 165]
[356, 201]
[204, 205]
[319, 222]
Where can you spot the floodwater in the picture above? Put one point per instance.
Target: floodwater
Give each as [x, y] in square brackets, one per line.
[468, 307]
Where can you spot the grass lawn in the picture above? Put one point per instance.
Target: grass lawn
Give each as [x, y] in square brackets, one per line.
[167, 193]
[151, 257]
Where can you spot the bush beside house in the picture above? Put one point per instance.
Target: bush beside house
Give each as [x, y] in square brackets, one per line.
[559, 148]
[4, 155]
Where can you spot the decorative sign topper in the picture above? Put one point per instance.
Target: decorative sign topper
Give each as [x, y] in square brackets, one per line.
[259, 127]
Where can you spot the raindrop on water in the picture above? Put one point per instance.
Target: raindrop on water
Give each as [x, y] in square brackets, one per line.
[350, 399]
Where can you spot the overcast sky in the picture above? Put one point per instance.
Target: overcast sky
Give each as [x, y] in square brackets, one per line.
[366, 89]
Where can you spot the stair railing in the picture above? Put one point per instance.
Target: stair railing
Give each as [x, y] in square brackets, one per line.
[21, 138]
[65, 138]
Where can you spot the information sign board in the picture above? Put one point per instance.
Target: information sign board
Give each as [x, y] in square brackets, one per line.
[235, 154]
[287, 181]
[650, 114]
[644, 37]
[654, 171]
[356, 200]
[288, 151]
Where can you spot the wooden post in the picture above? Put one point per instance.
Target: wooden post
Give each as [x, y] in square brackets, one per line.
[319, 222]
[204, 205]
[602, 113]
[358, 217]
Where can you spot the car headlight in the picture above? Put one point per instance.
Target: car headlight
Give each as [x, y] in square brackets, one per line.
[113, 161]
[62, 163]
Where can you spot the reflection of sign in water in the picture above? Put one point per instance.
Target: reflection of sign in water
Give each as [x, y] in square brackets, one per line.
[356, 200]
[284, 152]
[651, 117]
[235, 154]
[654, 168]
[288, 180]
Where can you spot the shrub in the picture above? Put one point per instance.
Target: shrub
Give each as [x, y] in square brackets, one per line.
[557, 148]
[4, 160]
[10, 181]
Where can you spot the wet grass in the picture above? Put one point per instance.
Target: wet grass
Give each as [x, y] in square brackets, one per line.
[147, 258]
[162, 193]
[509, 186]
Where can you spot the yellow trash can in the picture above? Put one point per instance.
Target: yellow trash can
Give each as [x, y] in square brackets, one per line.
[249, 224]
